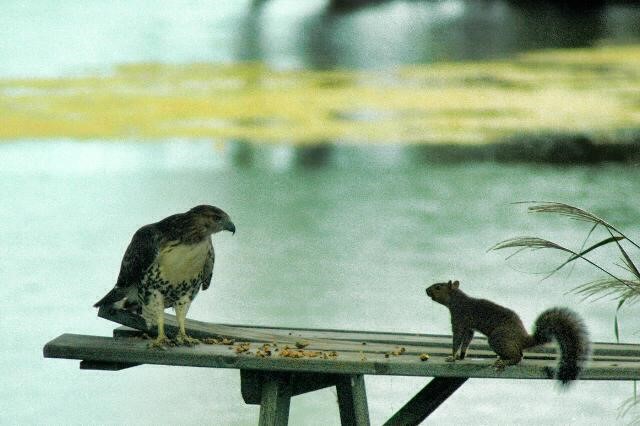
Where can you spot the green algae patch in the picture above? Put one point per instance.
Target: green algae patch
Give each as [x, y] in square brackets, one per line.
[593, 91]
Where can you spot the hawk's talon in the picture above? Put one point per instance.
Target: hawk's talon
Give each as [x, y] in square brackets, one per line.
[451, 358]
[161, 342]
[185, 340]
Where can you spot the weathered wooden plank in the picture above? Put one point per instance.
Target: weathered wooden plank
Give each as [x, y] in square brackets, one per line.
[134, 350]
[479, 343]
[353, 340]
[352, 401]
[399, 339]
[268, 334]
[426, 401]
[275, 401]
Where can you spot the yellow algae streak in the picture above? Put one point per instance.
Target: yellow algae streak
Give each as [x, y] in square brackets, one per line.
[595, 91]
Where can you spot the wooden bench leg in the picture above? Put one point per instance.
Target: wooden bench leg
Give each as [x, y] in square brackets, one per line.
[352, 400]
[276, 398]
[426, 401]
[273, 391]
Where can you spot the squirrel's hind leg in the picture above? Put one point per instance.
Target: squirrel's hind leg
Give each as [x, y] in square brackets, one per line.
[508, 350]
[502, 363]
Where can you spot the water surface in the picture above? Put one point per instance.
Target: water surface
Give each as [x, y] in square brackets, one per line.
[351, 244]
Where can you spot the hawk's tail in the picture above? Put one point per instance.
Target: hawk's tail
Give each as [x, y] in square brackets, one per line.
[117, 294]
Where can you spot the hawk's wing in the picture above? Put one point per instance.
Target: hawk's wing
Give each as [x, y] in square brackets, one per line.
[208, 270]
[139, 256]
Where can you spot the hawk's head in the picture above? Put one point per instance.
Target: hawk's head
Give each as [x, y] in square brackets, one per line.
[210, 219]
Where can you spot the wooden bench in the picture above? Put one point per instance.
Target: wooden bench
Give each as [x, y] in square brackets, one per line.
[296, 361]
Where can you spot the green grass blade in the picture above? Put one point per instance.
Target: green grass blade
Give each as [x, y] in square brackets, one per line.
[616, 328]
[628, 261]
[584, 243]
[535, 243]
[587, 250]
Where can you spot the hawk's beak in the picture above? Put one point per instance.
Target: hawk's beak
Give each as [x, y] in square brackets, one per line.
[229, 226]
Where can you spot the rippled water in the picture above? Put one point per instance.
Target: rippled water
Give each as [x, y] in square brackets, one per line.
[345, 245]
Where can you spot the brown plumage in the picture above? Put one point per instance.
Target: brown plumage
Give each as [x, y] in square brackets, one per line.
[166, 264]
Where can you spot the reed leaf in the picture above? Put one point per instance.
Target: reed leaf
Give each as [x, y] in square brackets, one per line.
[582, 246]
[616, 327]
[533, 243]
[619, 289]
[567, 210]
[574, 213]
[628, 261]
[587, 250]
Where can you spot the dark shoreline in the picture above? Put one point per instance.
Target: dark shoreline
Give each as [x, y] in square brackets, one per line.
[546, 149]
[559, 149]
[576, 6]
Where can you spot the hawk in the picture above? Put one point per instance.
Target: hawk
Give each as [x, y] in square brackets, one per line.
[165, 265]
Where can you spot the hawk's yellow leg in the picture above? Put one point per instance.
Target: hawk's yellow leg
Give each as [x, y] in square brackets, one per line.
[181, 315]
[158, 309]
[162, 340]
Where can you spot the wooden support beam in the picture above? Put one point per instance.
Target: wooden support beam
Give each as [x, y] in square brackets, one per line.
[251, 386]
[275, 401]
[260, 387]
[251, 382]
[352, 400]
[309, 382]
[426, 401]
[105, 365]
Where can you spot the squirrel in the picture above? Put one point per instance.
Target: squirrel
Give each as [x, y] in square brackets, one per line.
[506, 333]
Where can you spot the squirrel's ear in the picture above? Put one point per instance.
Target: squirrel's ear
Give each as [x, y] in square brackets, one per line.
[454, 285]
[449, 282]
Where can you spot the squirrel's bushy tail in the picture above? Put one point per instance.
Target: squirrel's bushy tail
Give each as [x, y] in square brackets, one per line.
[567, 328]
